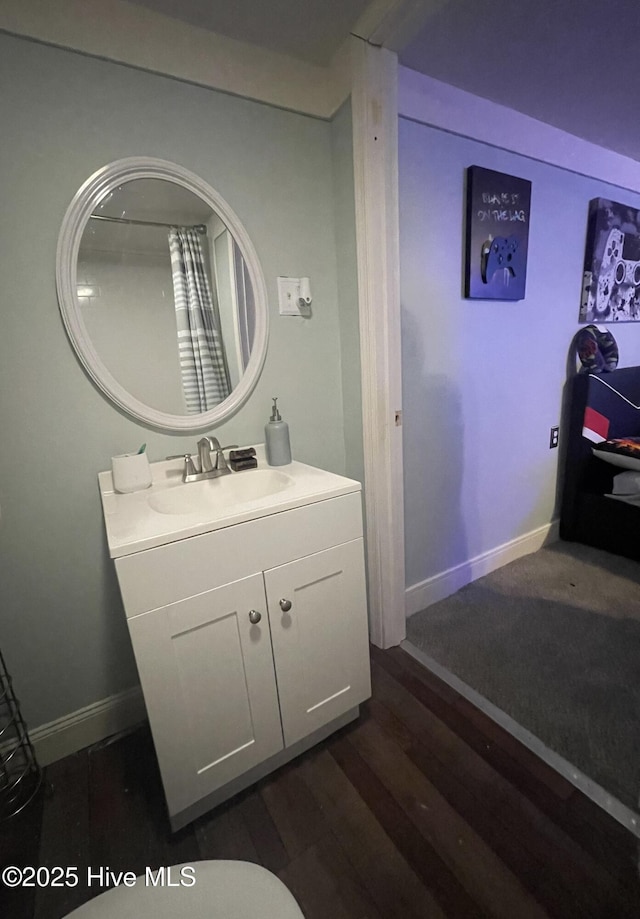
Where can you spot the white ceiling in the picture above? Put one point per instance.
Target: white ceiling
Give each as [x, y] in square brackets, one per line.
[308, 29]
[571, 63]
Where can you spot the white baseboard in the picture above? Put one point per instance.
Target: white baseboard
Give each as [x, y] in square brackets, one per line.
[73, 732]
[420, 596]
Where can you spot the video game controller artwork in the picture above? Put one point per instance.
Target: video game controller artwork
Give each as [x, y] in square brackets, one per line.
[500, 254]
[611, 278]
[498, 212]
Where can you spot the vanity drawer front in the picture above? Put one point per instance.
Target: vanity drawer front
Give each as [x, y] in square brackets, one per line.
[157, 577]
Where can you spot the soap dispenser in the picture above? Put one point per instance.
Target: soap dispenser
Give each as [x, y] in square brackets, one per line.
[276, 439]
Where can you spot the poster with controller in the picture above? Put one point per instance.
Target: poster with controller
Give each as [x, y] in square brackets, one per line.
[497, 235]
[611, 278]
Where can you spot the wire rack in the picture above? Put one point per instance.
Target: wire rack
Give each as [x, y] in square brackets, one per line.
[20, 774]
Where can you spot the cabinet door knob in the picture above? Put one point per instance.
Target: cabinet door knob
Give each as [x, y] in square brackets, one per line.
[254, 616]
[285, 605]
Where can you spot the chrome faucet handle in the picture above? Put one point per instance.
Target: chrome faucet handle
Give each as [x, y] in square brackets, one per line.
[189, 465]
[185, 456]
[221, 462]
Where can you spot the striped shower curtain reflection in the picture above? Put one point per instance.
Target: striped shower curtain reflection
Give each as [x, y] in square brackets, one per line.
[203, 365]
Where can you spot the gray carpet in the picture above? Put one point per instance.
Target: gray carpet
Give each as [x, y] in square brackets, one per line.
[553, 639]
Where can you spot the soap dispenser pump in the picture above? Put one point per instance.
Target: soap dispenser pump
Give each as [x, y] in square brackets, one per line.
[276, 438]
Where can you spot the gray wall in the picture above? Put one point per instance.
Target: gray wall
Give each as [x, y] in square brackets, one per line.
[63, 116]
[482, 381]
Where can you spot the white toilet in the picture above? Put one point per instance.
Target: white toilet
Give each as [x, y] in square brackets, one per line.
[222, 890]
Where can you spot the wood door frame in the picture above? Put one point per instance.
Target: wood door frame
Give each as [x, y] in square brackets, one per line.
[374, 101]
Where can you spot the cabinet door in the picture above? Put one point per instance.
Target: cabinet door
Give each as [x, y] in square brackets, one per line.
[209, 687]
[320, 642]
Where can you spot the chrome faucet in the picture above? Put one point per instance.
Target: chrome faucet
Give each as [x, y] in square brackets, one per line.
[210, 468]
[205, 446]
[216, 467]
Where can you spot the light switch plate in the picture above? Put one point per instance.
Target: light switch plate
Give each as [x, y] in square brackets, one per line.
[288, 296]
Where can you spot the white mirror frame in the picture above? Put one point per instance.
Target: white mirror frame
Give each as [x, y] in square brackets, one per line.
[75, 220]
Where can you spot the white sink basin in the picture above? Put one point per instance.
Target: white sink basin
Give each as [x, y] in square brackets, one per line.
[223, 492]
[170, 510]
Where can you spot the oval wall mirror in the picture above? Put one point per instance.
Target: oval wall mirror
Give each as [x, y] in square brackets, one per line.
[162, 294]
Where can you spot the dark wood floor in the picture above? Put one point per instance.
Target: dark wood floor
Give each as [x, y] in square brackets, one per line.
[421, 808]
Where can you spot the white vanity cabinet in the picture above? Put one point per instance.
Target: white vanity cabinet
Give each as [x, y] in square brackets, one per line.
[251, 644]
[210, 688]
[319, 636]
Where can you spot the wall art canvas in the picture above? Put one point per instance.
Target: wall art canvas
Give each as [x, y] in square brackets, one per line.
[611, 278]
[497, 235]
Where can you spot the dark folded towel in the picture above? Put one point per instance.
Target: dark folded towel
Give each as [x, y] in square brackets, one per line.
[243, 454]
[238, 465]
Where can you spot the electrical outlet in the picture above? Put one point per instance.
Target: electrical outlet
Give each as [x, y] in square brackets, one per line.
[553, 437]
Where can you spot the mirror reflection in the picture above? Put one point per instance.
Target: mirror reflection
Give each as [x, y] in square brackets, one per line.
[165, 296]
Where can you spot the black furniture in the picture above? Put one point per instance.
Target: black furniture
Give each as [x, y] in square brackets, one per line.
[610, 401]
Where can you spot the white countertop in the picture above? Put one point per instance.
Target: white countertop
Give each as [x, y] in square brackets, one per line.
[133, 525]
